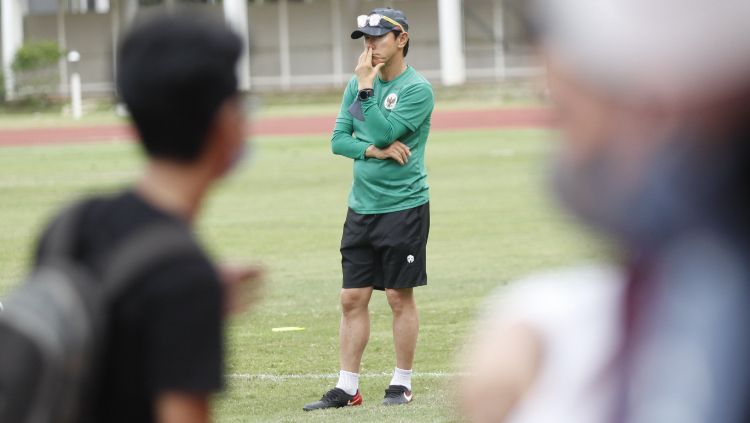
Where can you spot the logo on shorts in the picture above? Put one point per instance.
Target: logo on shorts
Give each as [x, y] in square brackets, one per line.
[410, 259]
[390, 101]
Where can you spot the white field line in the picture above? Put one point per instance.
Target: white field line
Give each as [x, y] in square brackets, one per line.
[282, 378]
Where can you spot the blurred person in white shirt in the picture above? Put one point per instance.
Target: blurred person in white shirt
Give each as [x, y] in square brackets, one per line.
[653, 101]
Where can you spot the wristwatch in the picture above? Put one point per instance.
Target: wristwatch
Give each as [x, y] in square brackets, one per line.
[365, 94]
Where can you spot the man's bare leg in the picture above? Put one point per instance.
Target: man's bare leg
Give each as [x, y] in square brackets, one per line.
[405, 332]
[355, 327]
[405, 325]
[353, 336]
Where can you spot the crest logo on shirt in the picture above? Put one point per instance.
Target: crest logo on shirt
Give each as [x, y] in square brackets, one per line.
[410, 259]
[390, 101]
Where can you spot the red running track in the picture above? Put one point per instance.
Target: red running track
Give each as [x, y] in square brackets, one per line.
[318, 125]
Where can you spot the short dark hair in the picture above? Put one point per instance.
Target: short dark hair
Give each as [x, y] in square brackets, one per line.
[174, 72]
[406, 47]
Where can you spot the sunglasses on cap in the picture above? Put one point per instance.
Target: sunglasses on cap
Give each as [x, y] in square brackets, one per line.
[374, 20]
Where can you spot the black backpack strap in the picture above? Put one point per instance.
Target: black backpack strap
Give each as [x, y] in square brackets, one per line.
[62, 236]
[146, 248]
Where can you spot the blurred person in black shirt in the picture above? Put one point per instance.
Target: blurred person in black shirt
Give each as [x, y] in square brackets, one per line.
[163, 356]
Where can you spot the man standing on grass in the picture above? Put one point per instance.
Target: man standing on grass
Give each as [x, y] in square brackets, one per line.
[163, 355]
[383, 126]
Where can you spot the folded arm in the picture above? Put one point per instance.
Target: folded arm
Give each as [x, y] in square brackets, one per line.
[344, 144]
[386, 130]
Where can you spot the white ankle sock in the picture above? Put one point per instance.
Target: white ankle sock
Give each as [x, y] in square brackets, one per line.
[348, 382]
[402, 377]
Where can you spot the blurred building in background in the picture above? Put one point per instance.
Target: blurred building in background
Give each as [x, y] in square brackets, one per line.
[296, 43]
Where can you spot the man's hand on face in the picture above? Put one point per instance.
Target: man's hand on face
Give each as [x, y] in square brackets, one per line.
[397, 151]
[365, 72]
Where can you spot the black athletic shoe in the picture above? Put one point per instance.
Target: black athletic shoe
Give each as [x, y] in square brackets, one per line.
[335, 398]
[397, 395]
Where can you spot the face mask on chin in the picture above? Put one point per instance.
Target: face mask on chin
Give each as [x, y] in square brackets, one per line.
[243, 157]
[242, 154]
[673, 188]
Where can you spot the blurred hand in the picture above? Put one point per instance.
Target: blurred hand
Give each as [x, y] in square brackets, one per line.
[365, 72]
[397, 151]
[243, 286]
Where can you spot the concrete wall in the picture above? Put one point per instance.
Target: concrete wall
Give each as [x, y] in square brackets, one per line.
[313, 49]
[309, 37]
[264, 60]
[312, 45]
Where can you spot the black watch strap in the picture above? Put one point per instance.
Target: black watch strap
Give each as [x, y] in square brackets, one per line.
[365, 94]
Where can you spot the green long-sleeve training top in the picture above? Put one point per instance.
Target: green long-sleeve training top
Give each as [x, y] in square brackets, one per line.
[400, 110]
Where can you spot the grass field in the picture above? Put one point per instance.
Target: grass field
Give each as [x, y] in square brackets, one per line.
[491, 222]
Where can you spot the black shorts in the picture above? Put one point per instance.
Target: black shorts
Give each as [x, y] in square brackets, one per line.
[385, 250]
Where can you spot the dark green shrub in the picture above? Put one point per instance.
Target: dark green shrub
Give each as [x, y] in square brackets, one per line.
[2, 87]
[35, 70]
[36, 55]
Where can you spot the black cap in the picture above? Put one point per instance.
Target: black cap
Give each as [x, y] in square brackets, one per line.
[383, 27]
